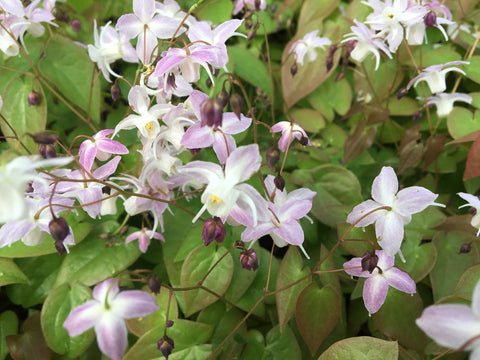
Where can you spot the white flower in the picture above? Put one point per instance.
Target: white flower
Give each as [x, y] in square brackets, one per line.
[435, 76]
[444, 102]
[305, 49]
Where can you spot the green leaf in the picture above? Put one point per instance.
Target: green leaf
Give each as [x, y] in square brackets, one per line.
[41, 272]
[390, 132]
[473, 70]
[290, 270]
[462, 122]
[334, 135]
[332, 96]
[185, 334]
[10, 273]
[467, 282]
[362, 348]
[79, 5]
[250, 68]
[420, 258]
[22, 117]
[396, 319]
[403, 107]
[317, 311]
[426, 221]
[195, 267]
[308, 119]
[70, 69]
[281, 345]
[55, 311]
[8, 326]
[255, 346]
[314, 10]
[92, 261]
[450, 265]
[215, 11]
[243, 280]
[356, 248]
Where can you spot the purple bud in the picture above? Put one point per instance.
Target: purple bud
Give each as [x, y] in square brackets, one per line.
[236, 104]
[115, 92]
[465, 248]
[418, 115]
[60, 247]
[257, 5]
[154, 284]
[273, 9]
[213, 229]
[169, 323]
[265, 57]
[47, 151]
[303, 140]
[76, 25]
[369, 261]
[248, 24]
[165, 345]
[272, 155]
[430, 19]
[59, 229]
[211, 112]
[33, 98]
[294, 69]
[248, 259]
[45, 138]
[223, 97]
[279, 182]
[401, 93]
[252, 34]
[330, 57]
[194, 151]
[62, 17]
[350, 46]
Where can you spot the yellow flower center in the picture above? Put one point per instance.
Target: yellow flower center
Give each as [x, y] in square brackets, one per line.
[216, 199]
[149, 126]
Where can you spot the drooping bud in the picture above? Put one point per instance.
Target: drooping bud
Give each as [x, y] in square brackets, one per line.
[272, 155]
[430, 19]
[236, 104]
[211, 113]
[418, 115]
[330, 57]
[213, 229]
[294, 69]
[465, 248]
[169, 323]
[59, 229]
[248, 24]
[257, 5]
[279, 182]
[115, 92]
[33, 98]
[165, 345]
[265, 57]
[62, 16]
[273, 9]
[223, 97]
[401, 93]
[340, 76]
[194, 151]
[154, 284]
[248, 259]
[60, 247]
[45, 138]
[303, 140]
[76, 25]
[47, 151]
[369, 261]
[252, 32]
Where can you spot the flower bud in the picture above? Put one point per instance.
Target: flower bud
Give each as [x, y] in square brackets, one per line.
[194, 151]
[279, 182]
[62, 17]
[330, 57]
[430, 19]
[248, 24]
[33, 98]
[472, 211]
[303, 140]
[171, 81]
[272, 155]
[115, 92]
[76, 25]
[465, 248]
[169, 323]
[47, 151]
[213, 229]
[273, 9]
[340, 76]
[45, 138]
[252, 34]
[223, 97]
[248, 259]
[59, 229]
[257, 5]
[401, 93]
[236, 104]
[154, 284]
[165, 345]
[418, 115]
[369, 261]
[60, 247]
[294, 69]
[211, 113]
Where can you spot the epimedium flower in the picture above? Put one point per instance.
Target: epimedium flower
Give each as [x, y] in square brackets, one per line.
[380, 279]
[107, 312]
[289, 130]
[474, 202]
[144, 236]
[403, 204]
[305, 48]
[249, 5]
[455, 326]
[444, 102]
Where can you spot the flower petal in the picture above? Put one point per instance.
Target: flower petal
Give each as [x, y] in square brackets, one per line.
[242, 163]
[353, 267]
[385, 186]
[83, 317]
[400, 280]
[374, 293]
[133, 303]
[414, 199]
[291, 232]
[389, 231]
[111, 334]
[364, 208]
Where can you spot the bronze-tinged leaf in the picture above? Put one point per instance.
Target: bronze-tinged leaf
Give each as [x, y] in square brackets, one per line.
[410, 156]
[467, 138]
[376, 114]
[473, 161]
[435, 147]
[359, 141]
[412, 134]
[317, 313]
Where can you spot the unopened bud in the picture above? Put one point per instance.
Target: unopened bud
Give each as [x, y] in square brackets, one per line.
[33, 98]
[45, 138]
[239, 244]
[248, 259]
[211, 113]
[60, 247]
[430, 19]
[213, 229]
[330, 57]
[165, 345]
[273, 9]
[154, 284]
[248, 24]
[350, 46]
[169, 323]
[340, 76]
[236, 104]
[252, 34]
[272, 155]
[76, 25]
[369, 261]
[223, 97]
[265, 57]
[62, 16]
[115, 92]
[418, 115]
[303, 140]
[194, 151]
[59, 229]
[401, 93]
[279, 182]
[294, 69]
[465, 248]
[257, 5]
[47, 151]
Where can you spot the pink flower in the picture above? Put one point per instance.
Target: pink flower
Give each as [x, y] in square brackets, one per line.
[305, 48]
[378, 282]
[144, 237]
[289, 131]
[106, 314]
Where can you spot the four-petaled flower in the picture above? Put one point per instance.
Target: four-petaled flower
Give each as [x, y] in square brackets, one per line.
[474, 202]
[106, 314]
[144, 237]
[305, 48]
[435, 76]
[380, 279]
[444, 102]
[289, 131]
